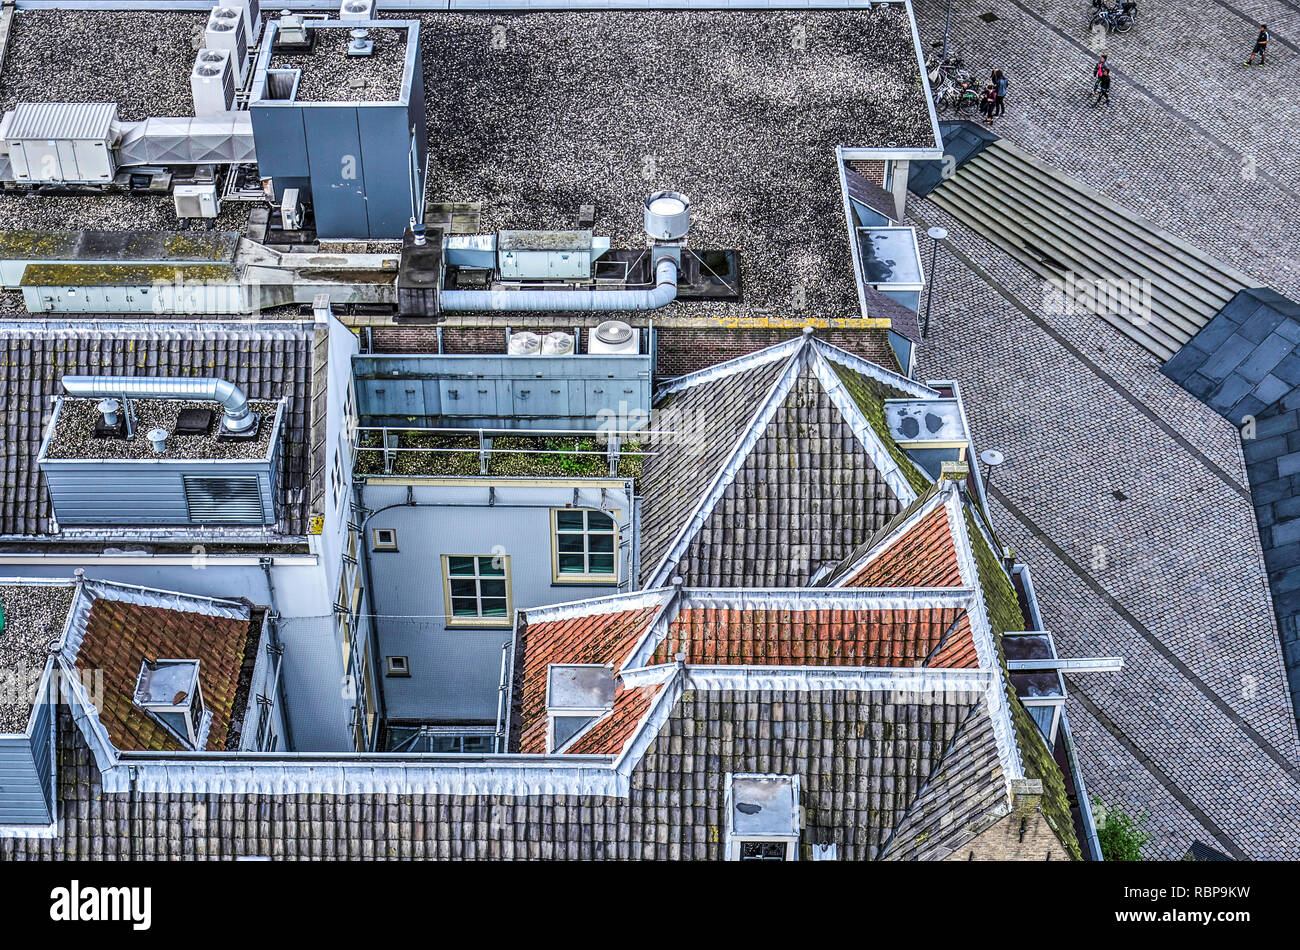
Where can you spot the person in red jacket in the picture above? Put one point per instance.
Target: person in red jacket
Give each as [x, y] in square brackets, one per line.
[987, 101]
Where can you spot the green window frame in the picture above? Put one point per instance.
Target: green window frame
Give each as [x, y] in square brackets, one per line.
[584, 545]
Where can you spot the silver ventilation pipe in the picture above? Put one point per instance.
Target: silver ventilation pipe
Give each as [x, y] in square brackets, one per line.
[238, 417]
[664, 293]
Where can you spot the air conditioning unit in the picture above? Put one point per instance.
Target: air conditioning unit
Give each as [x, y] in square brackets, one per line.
[357, 10]
[524, 343]
[614, 337]
[213, 82]
[557, 343]
[228, 29]
[291, 210]
[252, 17]
[196, 201]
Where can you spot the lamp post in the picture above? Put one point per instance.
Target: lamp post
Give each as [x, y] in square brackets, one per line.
[937, 234]
[991, 458]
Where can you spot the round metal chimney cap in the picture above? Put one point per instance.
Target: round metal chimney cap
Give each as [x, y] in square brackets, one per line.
[159, 438]
[667, 215]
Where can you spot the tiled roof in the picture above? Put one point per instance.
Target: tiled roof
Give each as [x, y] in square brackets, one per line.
[597, 637]
[119, 634]
[266, 361]
[609, 735]
[833, 637]
[853, 795]
[800, 473]
[924, 556]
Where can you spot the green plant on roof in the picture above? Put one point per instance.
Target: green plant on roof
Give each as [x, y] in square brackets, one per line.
[1121, 835]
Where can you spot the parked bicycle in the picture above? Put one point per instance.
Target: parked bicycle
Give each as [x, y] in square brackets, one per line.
[1115, 20]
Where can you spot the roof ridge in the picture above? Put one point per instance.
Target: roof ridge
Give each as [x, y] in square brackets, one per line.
[877, 372]
[726, 473]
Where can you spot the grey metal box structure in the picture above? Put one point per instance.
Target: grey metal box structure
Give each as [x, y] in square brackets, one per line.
[361, 162]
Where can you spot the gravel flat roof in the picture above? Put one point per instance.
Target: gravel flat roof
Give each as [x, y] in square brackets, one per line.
[537, 114]
[34, 615]
[329, 74]
[74, 433]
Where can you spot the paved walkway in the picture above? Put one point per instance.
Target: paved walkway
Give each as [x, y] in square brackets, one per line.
[1126, 496]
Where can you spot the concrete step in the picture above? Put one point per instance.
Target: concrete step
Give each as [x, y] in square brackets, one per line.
[1048, 222]
[1136, 231]
[1172, 291]
[1152, 338]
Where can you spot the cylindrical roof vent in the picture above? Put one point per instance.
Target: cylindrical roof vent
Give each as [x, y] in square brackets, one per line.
[158, 438]
[667, 216]
[109, 408]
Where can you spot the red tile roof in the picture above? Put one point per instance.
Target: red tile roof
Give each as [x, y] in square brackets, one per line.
[596, 638]
[119, 635]
[609, 735]
[925, 556]
[827, 637]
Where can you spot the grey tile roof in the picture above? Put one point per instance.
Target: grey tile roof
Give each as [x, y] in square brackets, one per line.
[267, 361]
[775, 481]
[807, 494]
[868, 764]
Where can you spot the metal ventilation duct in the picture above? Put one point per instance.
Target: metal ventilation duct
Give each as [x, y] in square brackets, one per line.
[237, 418]
[664, 292]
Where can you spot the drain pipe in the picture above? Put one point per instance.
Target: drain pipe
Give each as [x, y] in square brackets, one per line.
[664, 293]
[238, 417]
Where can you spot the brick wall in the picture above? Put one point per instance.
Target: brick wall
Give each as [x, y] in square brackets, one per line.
[688, 349]
[681, 349]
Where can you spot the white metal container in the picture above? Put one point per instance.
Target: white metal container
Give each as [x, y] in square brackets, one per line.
[667, 215]
[62, 141]
[228, 29]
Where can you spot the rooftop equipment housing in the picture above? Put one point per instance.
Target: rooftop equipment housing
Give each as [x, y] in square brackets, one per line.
[225, 475]
[212, 82]
[61, 142]
[228, 29]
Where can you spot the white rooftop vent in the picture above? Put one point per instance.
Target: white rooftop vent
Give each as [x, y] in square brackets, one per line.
[357, 10]
[158, 439]
[577, 694]
[615, 337]
[228, 29]
[667, 216]
[212, 82]
[524, 343]
[557, 343]
[169, 691]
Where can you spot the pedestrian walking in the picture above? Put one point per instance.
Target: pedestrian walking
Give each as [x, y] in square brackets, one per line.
[1261, 46]
[1103, 87]
[987, 102]
[1102, 66]
[1000, 89]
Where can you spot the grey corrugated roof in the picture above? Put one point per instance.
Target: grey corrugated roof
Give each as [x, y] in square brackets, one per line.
[62, 120]
[854, 797]
[266, 361]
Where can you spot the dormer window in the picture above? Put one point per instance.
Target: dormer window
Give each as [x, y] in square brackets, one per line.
[763, 817]
[168, 691]
[577, 694]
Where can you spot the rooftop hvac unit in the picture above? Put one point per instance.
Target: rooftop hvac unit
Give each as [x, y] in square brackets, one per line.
[357, 10]
[196, 201]
[213, 82]
[228, 29]
[524, 343]
[558, 343]
[616, 337]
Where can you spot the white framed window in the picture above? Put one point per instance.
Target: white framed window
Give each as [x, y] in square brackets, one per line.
[383, 539]
[476, 590]
[584, 545]
[397, 666]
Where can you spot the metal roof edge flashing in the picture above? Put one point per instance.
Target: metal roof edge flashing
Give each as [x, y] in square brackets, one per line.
[823, 598]
[646, 597]
[865, 432]
[648, 642]
[652, 722]
[855, 363]
[769, 354]
[859, 679]
[749, 437]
